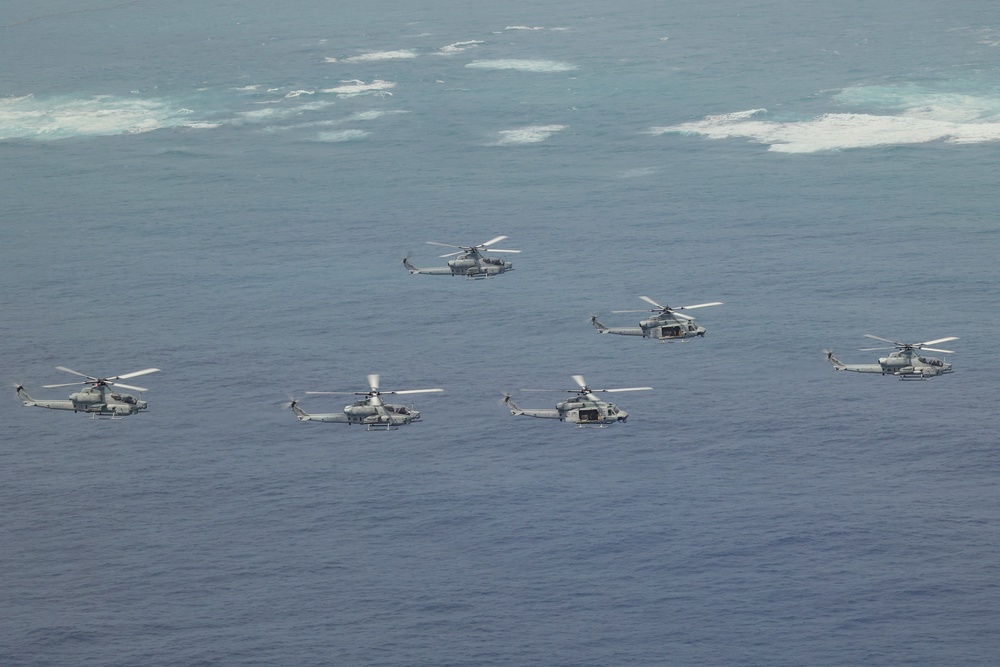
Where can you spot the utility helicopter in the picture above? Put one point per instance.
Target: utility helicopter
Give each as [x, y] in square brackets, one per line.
[906, 362]
[370, 411]
[98, 398]
[583, 409]
[666, 324]
[471, 263]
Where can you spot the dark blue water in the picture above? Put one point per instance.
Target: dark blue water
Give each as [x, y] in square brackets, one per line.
[226, 193]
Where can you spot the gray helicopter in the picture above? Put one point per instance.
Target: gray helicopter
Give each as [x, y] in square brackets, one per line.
[98, 398]
[583, 409]
[666, 325]
[906, 362]
[370, 411]
[471, 263]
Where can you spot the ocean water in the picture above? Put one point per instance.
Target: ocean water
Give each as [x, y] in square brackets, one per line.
[225, 191]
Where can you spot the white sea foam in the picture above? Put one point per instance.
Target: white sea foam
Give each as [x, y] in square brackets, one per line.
[381, 55]
[343, 135]
[458, 47]
[523, 65]
[356, 87]
[914, 115]
[528, 135]
[299, 93]
[30, 117]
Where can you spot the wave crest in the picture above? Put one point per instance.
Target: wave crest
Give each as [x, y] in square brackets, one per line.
[544, 66]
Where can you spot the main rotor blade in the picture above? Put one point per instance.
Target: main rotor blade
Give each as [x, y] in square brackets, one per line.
[492, 241]
[447, 245]
[338, 393]
[413, 391]
[127, 386]
[68, 384]
[499, 250]
[650, 301]
[580, 381]
[70, 370]
[935, 349]
[615, 391]
[884, 340]
[874, 349]
[936, 340]
[452, 254]
[644, 310]
[373, 381]
[700, 305]
[135, 374]
[681, 315]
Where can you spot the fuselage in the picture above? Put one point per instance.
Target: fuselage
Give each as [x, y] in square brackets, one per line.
[99, 400]
[579, 412]
[364, 414]
[665, 327]
[469, 265]
[905, 364]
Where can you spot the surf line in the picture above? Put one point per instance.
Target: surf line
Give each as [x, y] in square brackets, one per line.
[74, 11]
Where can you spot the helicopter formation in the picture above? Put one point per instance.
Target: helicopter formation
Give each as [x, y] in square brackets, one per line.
[584, 408]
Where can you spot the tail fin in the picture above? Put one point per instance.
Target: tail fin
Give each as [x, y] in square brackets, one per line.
[597, 325]
[514, 410]
[299, 412]
[409, 267]
[23, 395]
[837, 364]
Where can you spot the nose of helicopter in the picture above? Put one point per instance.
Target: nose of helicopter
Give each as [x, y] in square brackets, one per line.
[622, 416]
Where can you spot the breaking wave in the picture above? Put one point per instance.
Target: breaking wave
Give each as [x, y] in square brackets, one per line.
[403, 54]
[528, 135]
[544, 66]
[30, 117]
[892, 116]
[343, 135]
[458, 47]
[354, 87]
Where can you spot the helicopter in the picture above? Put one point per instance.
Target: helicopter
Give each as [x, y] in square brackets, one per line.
[583, 409]
[666, 325]
[906, 362]
[370, 411]
[98, 399]
[471, 263]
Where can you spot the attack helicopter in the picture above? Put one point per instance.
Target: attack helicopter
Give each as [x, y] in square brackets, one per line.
[471, 263]
[666, 325]
[906, 362]
[98, 398]
[583, 409]
[370, 411]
